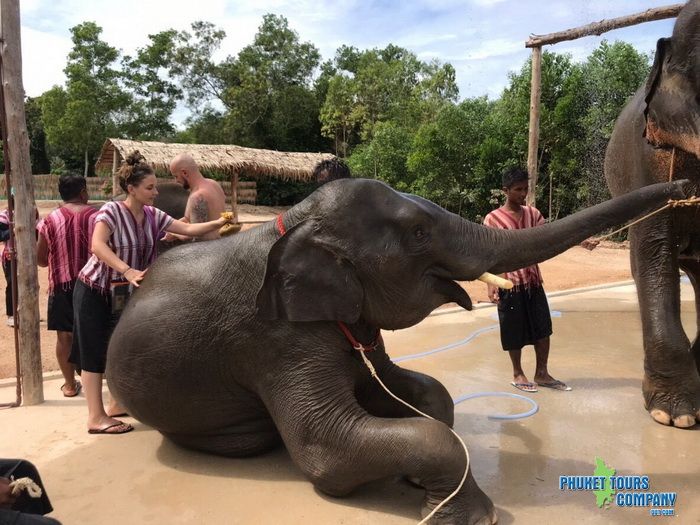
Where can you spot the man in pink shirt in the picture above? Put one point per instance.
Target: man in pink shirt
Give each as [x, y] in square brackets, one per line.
[64, 246]
[523, 311]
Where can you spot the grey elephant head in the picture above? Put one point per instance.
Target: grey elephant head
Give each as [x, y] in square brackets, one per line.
[359, 250]
[671, 94]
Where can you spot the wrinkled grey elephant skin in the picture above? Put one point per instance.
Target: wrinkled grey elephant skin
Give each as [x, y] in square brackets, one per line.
[233, 347]
[657, 136]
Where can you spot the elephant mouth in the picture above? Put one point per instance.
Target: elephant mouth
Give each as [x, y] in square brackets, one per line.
[447, 288]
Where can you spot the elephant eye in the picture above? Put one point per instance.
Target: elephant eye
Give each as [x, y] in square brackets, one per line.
[418, 232]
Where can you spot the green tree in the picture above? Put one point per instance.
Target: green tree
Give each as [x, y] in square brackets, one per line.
[382, 85]
[77, 119]
[153, 94]
[445, 157]
[37, 137]
[613, 73]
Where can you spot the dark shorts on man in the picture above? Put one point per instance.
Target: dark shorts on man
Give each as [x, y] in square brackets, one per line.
[60, 314]
[524, 317]
[92, 327]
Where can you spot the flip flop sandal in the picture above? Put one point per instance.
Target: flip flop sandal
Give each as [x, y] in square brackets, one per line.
[556, 385]
[108, 429]
[525, 387]
[78, 388]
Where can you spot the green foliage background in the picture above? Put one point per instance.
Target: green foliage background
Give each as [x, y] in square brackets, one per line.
[392, 116]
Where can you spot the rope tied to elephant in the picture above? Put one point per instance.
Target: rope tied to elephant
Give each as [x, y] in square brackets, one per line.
[363, 349]
[591, 244]
[27, 484]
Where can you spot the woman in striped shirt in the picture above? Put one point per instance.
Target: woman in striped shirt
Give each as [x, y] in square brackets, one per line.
[123, 246]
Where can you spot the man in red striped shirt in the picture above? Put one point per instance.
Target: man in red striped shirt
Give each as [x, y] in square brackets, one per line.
[63, 246]
[523, 311]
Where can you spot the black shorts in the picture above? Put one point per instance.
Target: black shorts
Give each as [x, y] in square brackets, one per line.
[524, 317]
[60, 314]
[92, 327]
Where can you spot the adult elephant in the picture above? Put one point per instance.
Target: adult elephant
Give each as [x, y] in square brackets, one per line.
[235, 346]
[656, 137]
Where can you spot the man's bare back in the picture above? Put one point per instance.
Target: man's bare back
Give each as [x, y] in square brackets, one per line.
[206, 204]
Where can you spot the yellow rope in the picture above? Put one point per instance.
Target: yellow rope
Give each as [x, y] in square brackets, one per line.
[464, 446]
[681, 203]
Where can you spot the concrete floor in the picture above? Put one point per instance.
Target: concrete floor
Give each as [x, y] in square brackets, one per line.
[142, 478]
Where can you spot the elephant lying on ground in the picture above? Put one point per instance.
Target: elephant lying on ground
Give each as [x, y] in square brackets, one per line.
[657, 136]
[235, 346]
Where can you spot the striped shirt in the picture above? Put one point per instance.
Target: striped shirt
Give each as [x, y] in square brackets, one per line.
[9, 243]
[500, 218]
[67, 235]
[135, 244]
[7, 246]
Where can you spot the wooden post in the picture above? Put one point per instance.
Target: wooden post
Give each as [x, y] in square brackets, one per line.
[115, 166]
[534, 136]
[25, 218]
[234, 196]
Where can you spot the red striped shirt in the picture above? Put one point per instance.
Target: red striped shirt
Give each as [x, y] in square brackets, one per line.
[67, 235]
[133, 243]
[530, 217]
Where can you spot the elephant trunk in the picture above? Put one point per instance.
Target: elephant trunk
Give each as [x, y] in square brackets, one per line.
[478, 249]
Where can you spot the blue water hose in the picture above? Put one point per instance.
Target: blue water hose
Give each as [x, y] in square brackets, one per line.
[522, 415]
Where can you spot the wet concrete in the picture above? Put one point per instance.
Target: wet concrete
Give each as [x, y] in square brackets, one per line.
[142, 478]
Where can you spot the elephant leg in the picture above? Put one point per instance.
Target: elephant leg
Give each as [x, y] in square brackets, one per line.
[339, 446]
[692, 268]
[425, 393]
[671, 384]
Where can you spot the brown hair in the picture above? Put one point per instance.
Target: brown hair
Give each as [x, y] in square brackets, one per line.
[133, 170]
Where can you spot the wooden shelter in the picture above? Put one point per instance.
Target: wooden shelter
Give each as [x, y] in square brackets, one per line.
[228, 158]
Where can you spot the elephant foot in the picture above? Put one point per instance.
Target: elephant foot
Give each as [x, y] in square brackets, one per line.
[676, 406]
[469, 506]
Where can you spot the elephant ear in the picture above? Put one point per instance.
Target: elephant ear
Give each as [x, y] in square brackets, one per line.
[306, 281]
[663, 46]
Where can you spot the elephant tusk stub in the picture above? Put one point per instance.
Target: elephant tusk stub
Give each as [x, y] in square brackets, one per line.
[495, 280]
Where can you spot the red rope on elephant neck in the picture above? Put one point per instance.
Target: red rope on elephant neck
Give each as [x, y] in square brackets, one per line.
[280, 225]
[356, 344]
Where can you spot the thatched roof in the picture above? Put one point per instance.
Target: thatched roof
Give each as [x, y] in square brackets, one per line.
[226, 157]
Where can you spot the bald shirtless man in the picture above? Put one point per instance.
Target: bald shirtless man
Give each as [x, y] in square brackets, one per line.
[206, 201]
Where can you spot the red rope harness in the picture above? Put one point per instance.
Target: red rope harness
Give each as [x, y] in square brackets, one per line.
[280, 225]
[356, 344]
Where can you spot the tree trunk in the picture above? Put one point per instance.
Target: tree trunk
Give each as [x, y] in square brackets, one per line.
[23, 184]
[85, 172]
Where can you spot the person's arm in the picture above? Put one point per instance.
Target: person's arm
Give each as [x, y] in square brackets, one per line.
[197, 229]
[42, 252]
[101, 249]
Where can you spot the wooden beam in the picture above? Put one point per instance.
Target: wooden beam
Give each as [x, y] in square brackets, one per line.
[603, 26]
[234, 196]
[534, 135]
[25, 214]
[115, 166]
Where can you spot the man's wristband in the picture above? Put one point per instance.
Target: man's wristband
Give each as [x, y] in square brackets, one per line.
[127, 269]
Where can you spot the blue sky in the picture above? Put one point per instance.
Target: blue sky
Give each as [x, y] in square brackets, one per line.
[482, 39]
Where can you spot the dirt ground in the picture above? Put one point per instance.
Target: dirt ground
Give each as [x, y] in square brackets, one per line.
[574, 268]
